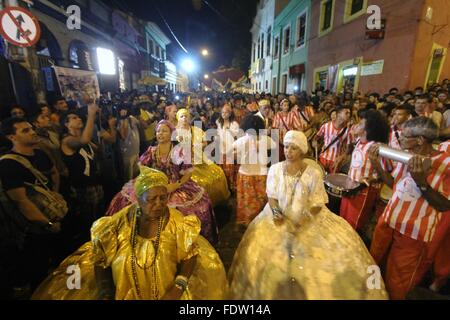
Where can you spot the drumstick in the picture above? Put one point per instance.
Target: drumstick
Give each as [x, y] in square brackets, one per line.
[315, 148]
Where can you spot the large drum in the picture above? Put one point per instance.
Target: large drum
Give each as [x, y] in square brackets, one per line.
[338, 185]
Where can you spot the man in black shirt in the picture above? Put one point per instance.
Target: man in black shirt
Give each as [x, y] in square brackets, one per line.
[14, 177]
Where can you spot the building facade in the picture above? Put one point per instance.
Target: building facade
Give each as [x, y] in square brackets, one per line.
[410, 50]
[136, 48]
[290, 49]
[261, 58]
[171, 76]
[156, 42]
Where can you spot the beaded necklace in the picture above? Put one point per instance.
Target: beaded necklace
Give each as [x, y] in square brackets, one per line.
[134, 263]
[159, 161]
[297, 178]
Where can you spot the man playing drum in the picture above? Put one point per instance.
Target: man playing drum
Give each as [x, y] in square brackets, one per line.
[357, 209]
[336, 137]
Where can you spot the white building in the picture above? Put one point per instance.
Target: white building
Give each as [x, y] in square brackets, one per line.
[262, 44]
[182, 81]
[171, 76]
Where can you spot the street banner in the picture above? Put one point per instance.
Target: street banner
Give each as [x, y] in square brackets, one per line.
[74, 83]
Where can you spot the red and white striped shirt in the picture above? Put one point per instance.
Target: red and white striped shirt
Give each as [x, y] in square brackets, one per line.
[361, 167]
[283, 122]
[445, 146]
[408, 211]
[329, 133]
[299, 122]
[394, 137]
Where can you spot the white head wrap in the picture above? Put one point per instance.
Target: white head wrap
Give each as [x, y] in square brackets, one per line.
[298, 138]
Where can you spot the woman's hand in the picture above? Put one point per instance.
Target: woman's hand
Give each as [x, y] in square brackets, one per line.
[278, 220]
[173, 294]
[278, 217]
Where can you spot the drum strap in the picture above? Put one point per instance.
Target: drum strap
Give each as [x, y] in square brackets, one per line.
[284, 123]
[343, 131]
[396, 134]
[304, 117]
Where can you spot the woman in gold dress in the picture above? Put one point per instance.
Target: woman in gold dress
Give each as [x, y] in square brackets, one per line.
[206, 173]
[296, 248]
[146, 251]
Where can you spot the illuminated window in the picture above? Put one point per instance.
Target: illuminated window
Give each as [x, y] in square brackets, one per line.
[106, 61]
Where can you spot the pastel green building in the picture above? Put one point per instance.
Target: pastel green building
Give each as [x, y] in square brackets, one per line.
[290, 50]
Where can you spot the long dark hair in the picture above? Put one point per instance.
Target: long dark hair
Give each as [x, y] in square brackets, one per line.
[377, 126]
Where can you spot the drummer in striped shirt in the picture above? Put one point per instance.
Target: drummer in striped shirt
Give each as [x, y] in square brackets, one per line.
[302, 114]
[357, 209]
[400, 115]
[336, 137]
[440, 245]
[445, 146]
[404, 233]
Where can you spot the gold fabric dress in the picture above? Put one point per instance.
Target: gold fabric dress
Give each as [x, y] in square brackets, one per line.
[111, 247]
[207, 174]
[308, 256]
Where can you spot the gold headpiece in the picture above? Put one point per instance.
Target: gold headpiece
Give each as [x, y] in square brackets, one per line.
[148, 179]
[182, 112]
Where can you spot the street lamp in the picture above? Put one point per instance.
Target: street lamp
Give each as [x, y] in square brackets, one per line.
[206, 76]
[205, 52]
[188, 65]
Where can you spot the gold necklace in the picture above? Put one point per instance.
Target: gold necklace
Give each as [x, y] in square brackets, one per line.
[159, 158]
[134, 263]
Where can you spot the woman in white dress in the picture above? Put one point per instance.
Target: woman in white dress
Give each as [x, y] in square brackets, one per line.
[296, 248]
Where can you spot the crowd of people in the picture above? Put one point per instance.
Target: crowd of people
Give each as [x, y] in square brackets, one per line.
[126, 186]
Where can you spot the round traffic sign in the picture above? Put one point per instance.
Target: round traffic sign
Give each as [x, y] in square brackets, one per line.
[19, 27]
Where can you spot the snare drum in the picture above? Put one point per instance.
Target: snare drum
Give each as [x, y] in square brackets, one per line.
[339, 185]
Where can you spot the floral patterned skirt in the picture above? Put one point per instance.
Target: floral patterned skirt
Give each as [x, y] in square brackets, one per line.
[250, 197]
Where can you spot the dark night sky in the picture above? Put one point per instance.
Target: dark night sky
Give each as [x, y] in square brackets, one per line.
[197, 25]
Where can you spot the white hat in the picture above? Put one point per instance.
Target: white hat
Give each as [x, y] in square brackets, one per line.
[298, 138]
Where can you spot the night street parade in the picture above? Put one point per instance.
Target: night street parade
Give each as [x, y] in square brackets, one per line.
[229, 153]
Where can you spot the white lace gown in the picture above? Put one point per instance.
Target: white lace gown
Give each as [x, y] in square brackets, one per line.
[309, 256]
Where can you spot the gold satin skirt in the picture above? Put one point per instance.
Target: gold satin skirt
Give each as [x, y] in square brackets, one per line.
[208, 281]
[212, 178]
[322, 259]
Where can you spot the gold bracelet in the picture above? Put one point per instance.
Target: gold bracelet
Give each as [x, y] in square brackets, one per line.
[181, 282]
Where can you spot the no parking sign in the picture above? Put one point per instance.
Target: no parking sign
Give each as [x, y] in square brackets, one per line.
[19, 27]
